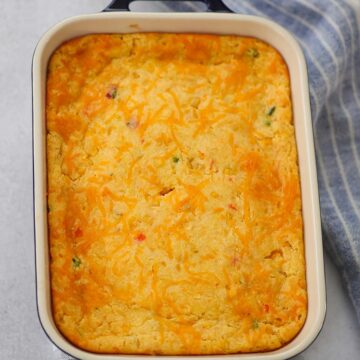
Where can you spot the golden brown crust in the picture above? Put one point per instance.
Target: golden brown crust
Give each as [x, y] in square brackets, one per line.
[174, 202]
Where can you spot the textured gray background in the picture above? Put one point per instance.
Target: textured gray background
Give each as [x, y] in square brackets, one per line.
[22, 22]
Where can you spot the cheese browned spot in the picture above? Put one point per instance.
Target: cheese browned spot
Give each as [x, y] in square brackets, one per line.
[175, 223]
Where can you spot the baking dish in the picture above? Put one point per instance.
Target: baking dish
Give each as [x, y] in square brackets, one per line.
[122, 22]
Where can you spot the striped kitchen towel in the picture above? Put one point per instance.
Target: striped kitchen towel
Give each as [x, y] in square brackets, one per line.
[329, 33]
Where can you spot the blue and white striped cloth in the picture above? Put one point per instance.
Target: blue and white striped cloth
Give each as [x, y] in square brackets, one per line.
[329, 33]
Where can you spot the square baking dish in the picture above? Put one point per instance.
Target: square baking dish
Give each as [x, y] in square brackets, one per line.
[211, 23]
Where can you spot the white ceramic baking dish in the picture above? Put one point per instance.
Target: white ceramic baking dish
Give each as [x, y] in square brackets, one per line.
[215, 23]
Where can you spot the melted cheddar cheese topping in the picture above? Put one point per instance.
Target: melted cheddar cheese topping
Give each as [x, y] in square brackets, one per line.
[174, 203]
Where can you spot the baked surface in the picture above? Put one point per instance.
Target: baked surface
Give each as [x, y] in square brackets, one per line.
[174, 203]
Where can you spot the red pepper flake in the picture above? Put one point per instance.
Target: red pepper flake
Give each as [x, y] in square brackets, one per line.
[266, 308]
[78, 233]
[232, 207]
[111, 94]
[140, 237]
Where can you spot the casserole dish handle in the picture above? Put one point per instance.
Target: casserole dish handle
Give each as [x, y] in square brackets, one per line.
[212, 5]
